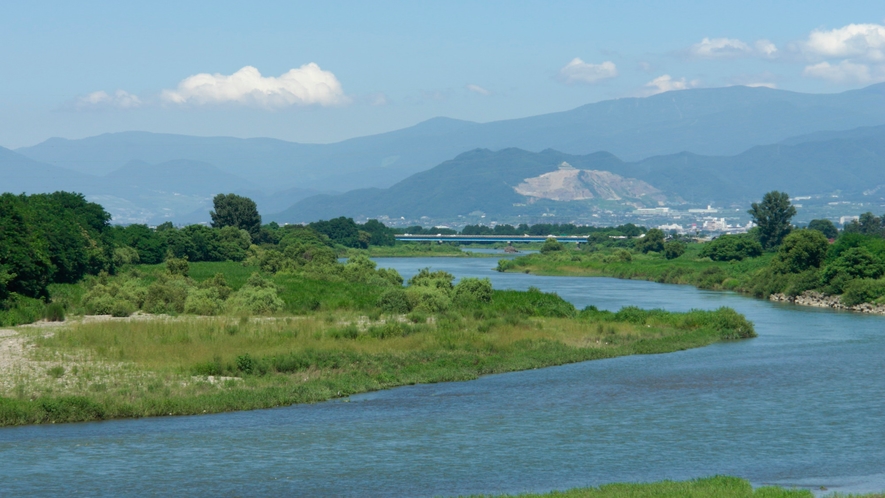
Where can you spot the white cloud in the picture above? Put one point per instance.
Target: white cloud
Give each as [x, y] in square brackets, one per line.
[730, 48]
[666, 83]
[578, 71]
[102, 100]
[478, 89]
[843, 72]
[306, 85]
[860, 41]
[719, 48]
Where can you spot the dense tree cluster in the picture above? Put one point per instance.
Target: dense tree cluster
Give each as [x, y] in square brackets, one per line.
[47, 238]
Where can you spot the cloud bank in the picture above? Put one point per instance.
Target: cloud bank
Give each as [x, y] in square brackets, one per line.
[851, 54]
[303, 86]
[478, 89]
[730, 48]
[578, 71]
[102, 100]
[666, 83]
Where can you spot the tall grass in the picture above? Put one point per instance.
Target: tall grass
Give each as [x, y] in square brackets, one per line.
[718, 486]
[159, 367]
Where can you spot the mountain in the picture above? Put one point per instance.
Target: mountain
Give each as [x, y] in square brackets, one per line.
[19, 174]
[714, 121]
[513, 182]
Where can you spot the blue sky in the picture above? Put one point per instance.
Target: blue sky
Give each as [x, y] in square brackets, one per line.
[326, 71]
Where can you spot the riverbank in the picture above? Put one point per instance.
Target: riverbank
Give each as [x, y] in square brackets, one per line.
[821, 300]
[153, 366]
[718, 486]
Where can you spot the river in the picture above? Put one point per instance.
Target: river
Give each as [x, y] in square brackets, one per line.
[801, 405]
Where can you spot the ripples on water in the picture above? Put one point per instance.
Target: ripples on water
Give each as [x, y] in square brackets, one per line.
[800, 405]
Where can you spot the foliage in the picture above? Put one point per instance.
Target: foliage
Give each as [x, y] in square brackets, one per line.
[471, 290]
[653, 241]
[718, 486]
[862, 290]
[551, 245]
[855, 262]
[177, 266]
[773, 217]
[866, 224]
[436, 279]
[731, 248]
[801, 250]
[232, 210]
[674, 249]
[342, 231]
[825, 227]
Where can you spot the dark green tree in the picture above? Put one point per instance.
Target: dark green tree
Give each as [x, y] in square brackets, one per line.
[825, 227]
[801, 250]
[773, 216]
[652, 242]
[674, 249]
[731, 248]
[232, 210]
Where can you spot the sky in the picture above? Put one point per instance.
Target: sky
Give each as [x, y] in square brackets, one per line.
[326, 71]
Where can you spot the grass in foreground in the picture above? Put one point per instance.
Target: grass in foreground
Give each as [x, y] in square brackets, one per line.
[718, 486]
[190, 365]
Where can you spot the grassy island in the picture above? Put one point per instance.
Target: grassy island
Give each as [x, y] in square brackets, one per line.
[302, 336]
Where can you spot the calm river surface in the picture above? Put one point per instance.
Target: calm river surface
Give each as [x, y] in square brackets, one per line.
[803, 404]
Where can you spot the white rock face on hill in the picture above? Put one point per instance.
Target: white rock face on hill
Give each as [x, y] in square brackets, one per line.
[570, 184]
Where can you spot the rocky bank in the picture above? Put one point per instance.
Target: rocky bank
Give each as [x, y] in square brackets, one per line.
[821, 300]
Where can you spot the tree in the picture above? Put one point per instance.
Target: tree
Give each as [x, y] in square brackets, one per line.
[731, 248]
[825, 227]
[773, 217]
[674, 249]
[232, 210]
[653, 241]
[801, 250]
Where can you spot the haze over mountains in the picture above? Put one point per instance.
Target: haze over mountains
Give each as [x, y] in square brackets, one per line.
[699, 145]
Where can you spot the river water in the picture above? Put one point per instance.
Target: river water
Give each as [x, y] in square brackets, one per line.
[801, 405]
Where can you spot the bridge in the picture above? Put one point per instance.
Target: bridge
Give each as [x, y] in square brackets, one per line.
[489, 238]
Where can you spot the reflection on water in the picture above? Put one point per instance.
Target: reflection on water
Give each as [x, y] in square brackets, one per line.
[800, 405]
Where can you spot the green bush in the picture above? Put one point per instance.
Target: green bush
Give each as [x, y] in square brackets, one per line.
[19, 310]
[121, 308]
[167, 295]
[435, 279]
[394, 301]
[551, 245]
[653, 241]
[619, 256]
[862, 290]
[731, 248]
[801, 250]
[205, 301]
[55, 312]
[177, 266]
[473, 291]
[256, 301]
[674, 249]
[428, 299]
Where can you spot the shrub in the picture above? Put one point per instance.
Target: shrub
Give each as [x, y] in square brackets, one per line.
[801, 250]
[674, 249]
[428, 299]
[731, 248]
[862, 290]
[121, 308]
[177, 266]
[204, 301]
[436, 279]
[55, 312]
[167, 295]
[551, 245]
[473, 290]
[256, 300]
[653, 241]
[394, 301]
[619, 256]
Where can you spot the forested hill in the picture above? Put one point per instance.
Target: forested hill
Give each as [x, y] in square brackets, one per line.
[485, 181]
[713, 121]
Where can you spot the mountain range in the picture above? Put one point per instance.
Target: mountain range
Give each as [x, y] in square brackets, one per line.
[667, 140]
[501, 183]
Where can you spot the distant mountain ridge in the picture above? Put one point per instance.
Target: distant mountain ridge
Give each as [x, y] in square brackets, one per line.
[500, 183]
[714, 121]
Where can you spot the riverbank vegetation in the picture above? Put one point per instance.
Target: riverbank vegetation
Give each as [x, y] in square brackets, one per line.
[289, 323]
[718, 486]
[772, 259]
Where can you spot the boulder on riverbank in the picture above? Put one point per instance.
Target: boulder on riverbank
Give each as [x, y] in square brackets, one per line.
[821, 300]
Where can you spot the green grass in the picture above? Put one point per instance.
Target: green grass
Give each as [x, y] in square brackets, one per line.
[687, 269]
[718, 487]
[116, 369]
